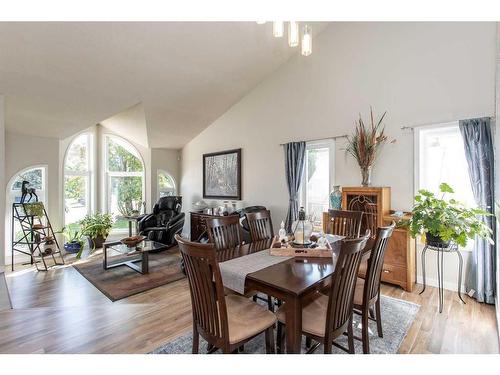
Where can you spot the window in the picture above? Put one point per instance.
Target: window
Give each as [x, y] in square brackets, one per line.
[166, 184]
[124, 180]
[37, 177]
[77, 180]
[441, 158]
[317, 180]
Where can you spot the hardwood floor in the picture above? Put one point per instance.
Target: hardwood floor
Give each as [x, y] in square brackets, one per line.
[4, 294]
[61, 312]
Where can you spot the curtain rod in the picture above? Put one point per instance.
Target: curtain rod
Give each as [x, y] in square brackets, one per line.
[321, 139]
[411, 127]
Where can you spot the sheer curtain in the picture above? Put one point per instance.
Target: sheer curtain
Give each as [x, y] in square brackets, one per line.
[478, 146]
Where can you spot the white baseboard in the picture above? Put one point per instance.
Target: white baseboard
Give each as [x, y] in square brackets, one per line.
[448, 285]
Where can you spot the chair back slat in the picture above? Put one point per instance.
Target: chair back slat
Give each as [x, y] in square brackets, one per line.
[260, 224]
[370, 218]
[376, 262]
[207, 292]
[343, 223]
[224, 232]
[341, 297]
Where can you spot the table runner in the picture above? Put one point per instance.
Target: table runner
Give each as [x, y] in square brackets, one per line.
[235, 271]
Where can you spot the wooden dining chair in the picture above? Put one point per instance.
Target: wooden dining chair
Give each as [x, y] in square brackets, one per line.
[370, 218]
[343, 223]
[260, 224]
[367, 293]
[261, 228]
[327, 317]
[224, 231]
[225, 322]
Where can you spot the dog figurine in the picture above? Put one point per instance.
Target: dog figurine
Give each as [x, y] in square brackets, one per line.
[25, 189]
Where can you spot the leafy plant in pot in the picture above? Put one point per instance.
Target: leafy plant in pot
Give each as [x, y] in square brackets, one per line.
[74, 241]
[96, 228]
[444, 220]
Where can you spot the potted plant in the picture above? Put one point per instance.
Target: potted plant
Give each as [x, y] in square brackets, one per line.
[444, 220]
[74, 241]
[96, 228]
[365, 144]
[34, 209]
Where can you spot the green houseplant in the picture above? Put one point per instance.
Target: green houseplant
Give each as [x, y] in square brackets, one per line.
[74, 240]
[96, 228]
[34, 209]
[443, 220]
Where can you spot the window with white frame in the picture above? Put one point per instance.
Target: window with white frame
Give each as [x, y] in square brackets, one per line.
[440, 157]
[124, 180]
[166, 184]
[78, 180]
[317, 180]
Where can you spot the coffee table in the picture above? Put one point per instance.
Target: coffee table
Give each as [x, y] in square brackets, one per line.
[139, 253]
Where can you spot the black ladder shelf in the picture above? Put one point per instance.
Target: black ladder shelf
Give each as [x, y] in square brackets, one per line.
[37, 238]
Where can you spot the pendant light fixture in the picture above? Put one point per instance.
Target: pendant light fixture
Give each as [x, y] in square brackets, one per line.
[293, 34]
[306, 41]
[278, 29]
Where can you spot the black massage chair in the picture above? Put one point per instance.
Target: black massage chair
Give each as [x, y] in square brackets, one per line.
[165, 221]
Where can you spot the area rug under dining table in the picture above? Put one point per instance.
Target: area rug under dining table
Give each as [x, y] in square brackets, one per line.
[397, 318]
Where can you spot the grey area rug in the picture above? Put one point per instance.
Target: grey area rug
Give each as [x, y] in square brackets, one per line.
[397, 318]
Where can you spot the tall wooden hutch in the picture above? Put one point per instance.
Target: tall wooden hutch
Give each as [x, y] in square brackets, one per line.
[375, 202]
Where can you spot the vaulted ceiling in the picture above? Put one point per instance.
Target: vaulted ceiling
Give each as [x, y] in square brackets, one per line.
[60, 78]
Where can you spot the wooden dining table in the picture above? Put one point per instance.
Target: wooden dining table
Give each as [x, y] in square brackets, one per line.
[292, 282]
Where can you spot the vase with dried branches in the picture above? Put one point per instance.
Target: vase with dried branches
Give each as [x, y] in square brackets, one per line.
[365, 143]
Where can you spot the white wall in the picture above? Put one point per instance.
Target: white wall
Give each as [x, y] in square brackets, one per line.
[167, 160]
[419, 72]
[2, 180]
[23, 151]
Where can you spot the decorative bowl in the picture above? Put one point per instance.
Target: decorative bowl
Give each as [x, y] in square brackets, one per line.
[132, 241]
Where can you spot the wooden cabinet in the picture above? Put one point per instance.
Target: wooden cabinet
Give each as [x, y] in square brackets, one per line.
[375, 202]
[399, 261]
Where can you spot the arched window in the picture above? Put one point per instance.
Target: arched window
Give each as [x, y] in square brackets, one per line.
[166, 184]
[37, 177]
[124, 180]
[77, 180]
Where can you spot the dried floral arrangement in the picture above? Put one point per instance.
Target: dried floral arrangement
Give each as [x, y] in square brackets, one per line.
[365, 143]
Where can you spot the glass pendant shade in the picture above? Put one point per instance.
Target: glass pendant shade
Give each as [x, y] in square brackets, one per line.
[293, 34]
[278, 29]
[306, 41]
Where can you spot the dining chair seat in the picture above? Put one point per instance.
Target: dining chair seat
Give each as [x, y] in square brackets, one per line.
[313, 315]
[358, 292]
[246, 318]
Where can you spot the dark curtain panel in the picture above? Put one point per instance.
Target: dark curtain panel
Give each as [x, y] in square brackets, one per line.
[295, 154]
[476, 134]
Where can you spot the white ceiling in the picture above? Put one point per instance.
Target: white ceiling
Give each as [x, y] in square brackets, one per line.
[60, 78]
